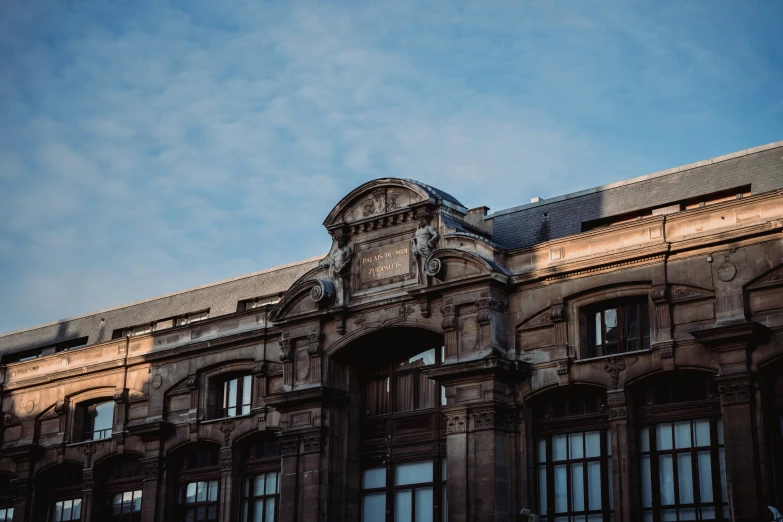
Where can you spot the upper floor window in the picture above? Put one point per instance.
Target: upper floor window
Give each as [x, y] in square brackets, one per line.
[96, 420]
[191, 318]
[161, 324]
[615, 327]
[401, 386]
[198, 483]
[230, 397]
[49, 349]
[124, 490]
[65, 510]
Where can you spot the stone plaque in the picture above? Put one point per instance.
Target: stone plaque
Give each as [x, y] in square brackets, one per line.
[384, 262]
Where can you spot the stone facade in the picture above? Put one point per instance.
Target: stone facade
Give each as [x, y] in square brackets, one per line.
[626, 372]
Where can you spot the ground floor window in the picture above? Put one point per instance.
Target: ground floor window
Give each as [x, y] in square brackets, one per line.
[65, 510]
[126, 506]
[261, 497]
[687, 458]
[410, 488]
[574, 477]
[199, 501]
[6, 514]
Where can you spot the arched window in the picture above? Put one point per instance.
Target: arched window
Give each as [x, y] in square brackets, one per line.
[58, 494]
[573, 451]
[261, 480]
[401, 407]
[198, 483]
[94, 420]
[682, 468]
[123, 495]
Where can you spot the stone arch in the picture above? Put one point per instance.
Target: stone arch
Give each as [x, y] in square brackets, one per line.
[337, 348]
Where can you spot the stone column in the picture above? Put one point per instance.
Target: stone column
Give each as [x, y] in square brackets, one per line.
[226, 483]
[622, 486]
[733, 343]
[87, 484]
[151, 467]
[457, 464]
[289, 478]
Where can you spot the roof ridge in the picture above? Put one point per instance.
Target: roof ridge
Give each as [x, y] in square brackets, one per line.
[639, 179]
[164, 296]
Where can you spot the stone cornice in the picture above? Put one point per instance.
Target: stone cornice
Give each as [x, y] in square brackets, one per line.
[296, 399]
[492, 365]
[730, 336]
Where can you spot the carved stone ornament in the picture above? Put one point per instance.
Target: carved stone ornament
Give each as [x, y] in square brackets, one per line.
[286, 348]
[491, 420]
[260, 368]
[423, 241]
[289, 446]
[323, 292]
[727, 271]
[659, 294]
[433, 267]
[226, 427]
[192, 382]
[557, 313]
[613, 366]
[734, 390]
[340, 260]
[150, 470]
[192, 426]
[456, 423]
[89, 450]
[275, 369]
[313, 443]
[119, 396]
[562, 366]
[665, 349]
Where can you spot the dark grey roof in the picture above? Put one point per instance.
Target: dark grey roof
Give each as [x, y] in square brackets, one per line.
[436, 192]
[760, 167]
[220, 298]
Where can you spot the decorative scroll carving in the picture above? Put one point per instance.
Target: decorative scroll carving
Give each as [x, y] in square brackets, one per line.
[486, 305]
[322, 292]
[557, 313]
[449, 317]
[659, 293]
[275, 369]
[433, 267]
[456, 423]
[192, 382]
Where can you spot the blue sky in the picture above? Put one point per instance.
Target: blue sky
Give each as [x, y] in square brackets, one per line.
[148, 146]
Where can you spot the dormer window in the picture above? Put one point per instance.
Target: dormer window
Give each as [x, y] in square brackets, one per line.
[191, 318]
[258, 302]
[615, 327]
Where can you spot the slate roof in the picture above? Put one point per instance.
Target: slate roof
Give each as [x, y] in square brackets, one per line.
[220, 298]
[761, 167]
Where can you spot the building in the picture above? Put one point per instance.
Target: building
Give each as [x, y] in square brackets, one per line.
[609, 355]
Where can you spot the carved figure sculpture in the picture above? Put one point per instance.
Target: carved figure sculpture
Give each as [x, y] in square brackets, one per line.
[341, 257]
[424, 239]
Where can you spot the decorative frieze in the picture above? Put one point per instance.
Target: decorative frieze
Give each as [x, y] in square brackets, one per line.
[735, 389]
[313, 443]
[456, 422]
[150, 468]
[492, 420]
[289, 446]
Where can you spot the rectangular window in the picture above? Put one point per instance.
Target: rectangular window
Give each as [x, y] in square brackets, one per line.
[65, 510]
[191, 318]
[261, 497]
[99, 421]
[6, 514]
[681, 470]
[619, 328]
[199, 501]
[412, 492]
[235, 398]
[125, 503]
[573, 477]
[374, 495]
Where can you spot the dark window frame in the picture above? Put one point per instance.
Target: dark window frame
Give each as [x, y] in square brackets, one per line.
[262, 456]
[623, 343]
[438, 486]
[198, 465]
[687, 396]
[218, 395]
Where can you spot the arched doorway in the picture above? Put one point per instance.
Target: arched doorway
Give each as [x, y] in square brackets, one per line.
[402, 443]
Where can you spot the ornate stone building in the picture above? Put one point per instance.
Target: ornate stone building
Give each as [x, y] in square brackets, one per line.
[609, 355]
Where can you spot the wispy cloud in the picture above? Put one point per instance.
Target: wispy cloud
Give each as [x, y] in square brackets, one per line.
[151, 146]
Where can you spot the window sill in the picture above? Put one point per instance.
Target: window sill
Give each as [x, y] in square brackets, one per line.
[218, 419]
[602, 357]
[85, 442]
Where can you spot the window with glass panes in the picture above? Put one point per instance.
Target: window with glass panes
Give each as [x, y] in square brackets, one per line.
[407, 488]
[682, 469]
[123, 490]
[401, 386]
[98, 420]
[260, 497]
[6, 514]
[231, 397]
[7, 494]
[64, 510]
[198, 484]
[573, 474]
[261, 480]
[615, 327]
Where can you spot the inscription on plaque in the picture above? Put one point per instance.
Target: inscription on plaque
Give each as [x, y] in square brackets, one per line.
[384, 262]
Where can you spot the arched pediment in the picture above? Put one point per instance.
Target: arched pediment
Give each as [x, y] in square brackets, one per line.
[305, 296]
[381, 196]
[452, 264]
